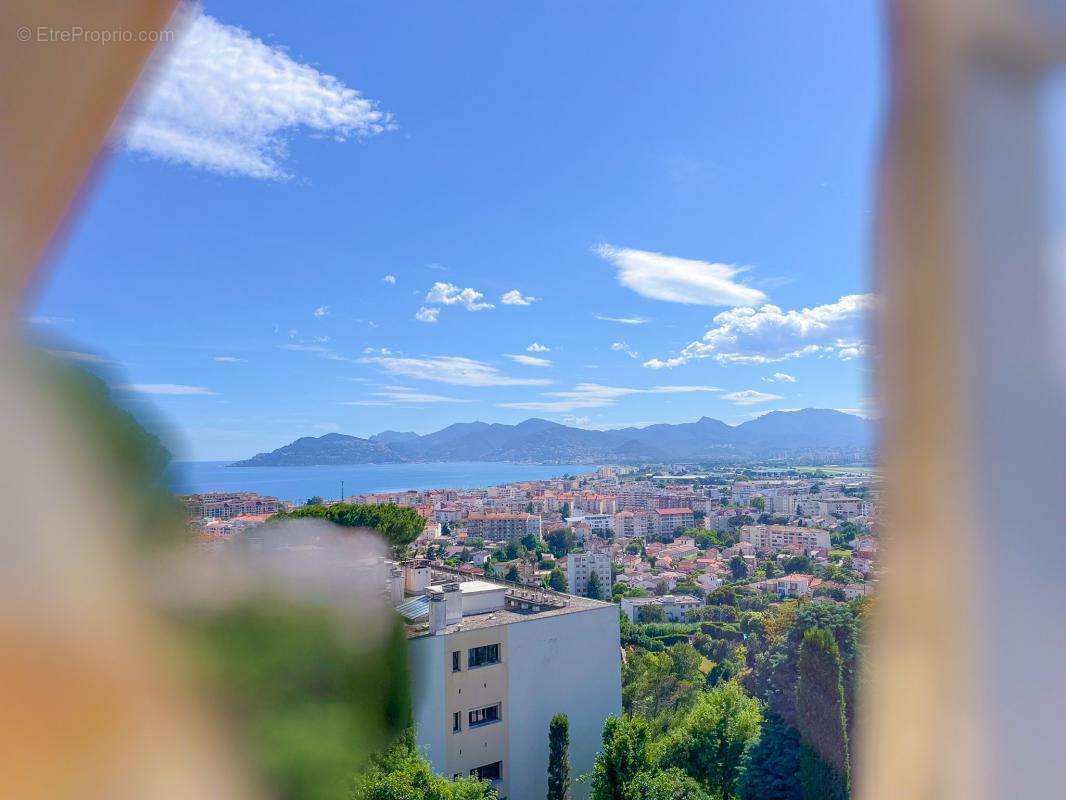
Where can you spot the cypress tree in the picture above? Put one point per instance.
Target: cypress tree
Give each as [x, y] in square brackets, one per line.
[559, 758]
[820, 712]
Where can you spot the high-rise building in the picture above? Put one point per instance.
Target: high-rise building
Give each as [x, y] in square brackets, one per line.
[580, 567]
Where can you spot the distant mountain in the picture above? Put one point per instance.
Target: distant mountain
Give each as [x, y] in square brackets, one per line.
[813, 433]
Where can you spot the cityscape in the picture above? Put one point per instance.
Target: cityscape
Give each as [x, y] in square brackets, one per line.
[695, 590]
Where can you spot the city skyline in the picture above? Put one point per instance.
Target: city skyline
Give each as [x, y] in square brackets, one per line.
[381, 227]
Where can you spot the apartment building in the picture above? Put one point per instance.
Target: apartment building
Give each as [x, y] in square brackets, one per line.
[226, 505]
[502, 527]
[627, 524]
[579, 568]
[780, 537]
[675, 608]
[492, 665]
[671, 520]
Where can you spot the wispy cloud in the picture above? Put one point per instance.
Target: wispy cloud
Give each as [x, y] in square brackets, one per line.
[228, 359]
[427, 314]
[530, 361]
[780, 377]
[750, 397]
[516, 298]
[769, 334]
[448, 294]
[538, 348]
[455, 370]
[594, 395]
[224, 101]
[390, 279]
[622, 347]
[624, 320]
[77, 355]
[45, 320]
[321, 311]
[393, 395]
[163, 389]
[679, 280]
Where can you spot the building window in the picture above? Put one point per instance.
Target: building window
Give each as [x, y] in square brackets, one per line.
[455, 661]
[483, 716]
[489, 772]
[481, 656]
[456, 717]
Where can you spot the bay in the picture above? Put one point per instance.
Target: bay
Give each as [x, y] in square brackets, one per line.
[299, 483]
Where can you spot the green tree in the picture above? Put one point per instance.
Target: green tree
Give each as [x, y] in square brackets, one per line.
[529, 508]
[770, 568]
[315, 500]
[623, 755]
[737, 568]
[593, 590]
[758, 503]
[512, 574]
[666, 784]
[565, 511]
[657, 685]
[560, 541]
[403, 773]
[824, 769]
[770, 768]
[399, 525]
[556, 580]
[709, 743]
[559, 758]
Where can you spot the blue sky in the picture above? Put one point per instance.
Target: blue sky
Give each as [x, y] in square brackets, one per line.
[598, 213]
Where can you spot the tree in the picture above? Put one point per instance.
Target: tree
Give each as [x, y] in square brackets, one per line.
[824, 769]
[565, 511]
[560, 541]
[799, 564]
[623, 755]
[512, 574]
[556, 580]
[593, 590]
[399, 525]
[559, 758]
[529, 541]
[666, 784]
[529, 508]
[770, 568]
[758, 503]
[658, 685]
[738, 568]
[710, 741]
[770, 767]
[403, 773]
[315, 500]
[739, 521]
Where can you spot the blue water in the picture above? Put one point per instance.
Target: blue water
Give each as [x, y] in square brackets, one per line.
[299, 483]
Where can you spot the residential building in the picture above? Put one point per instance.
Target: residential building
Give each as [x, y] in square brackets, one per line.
[779, 537]
[502, 527]
[226, 505]
[492, 665]
[676, 608]
[672, 520]
[580, 566]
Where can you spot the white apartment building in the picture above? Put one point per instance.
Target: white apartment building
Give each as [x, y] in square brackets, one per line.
[598, 523]
[676, 608]
[777, 537]
[671, 520]
[580, 566]
[491, 666]
[502, 527]
[628, 524]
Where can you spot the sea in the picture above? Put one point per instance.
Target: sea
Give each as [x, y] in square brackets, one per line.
[299, 483]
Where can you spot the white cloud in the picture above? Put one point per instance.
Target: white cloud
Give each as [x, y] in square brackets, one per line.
[403, 395]
[448, 294]
[321, 311]
[390, 279]
[530, 361]
[224, 101]
[427, 314]
[455, 370]
[679, 280]
[580, 422]
[516, 298]
[228, 359]
[622, 347]
[538, 348]
[768, 334]
[163, 388]
[594, 395]
[624, 320]
[750, 397]
[780, 377]
[49, 320]
[75, 355]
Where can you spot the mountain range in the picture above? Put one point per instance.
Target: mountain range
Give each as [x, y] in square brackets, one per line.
[811, 435]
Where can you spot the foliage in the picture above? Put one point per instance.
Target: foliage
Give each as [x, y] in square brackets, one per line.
[740, 520]
[722, 630]
[556, 580]
[310, 703]
[512, 574]
[737, 568]
[770, 767]
[622, 757]
[650, 614]
[758, 503]
[666, 784]
[657, 685]
[399, 525]
[710, 741]
[403, 773]
[801, 564]
[592, 591]
[824, 770]
[559, 758]
[561, 541]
